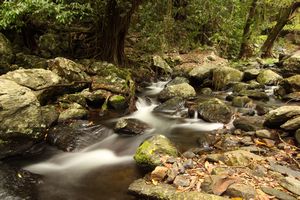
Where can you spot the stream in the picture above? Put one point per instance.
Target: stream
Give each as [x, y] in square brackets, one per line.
[104, 168]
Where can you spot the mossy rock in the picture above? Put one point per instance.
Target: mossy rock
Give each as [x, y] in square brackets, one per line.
[118, 102]
[149, 153]
[223, 76]
[268, 77]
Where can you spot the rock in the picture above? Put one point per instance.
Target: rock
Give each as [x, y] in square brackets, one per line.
[284, 170]
[111, 82]
[241, 190]
[172, 105]
[240, 101]
[248, 123]
[239, 86]
[254, 94]
[235, 158]
[292, 124]
[263, 133]
[118, 102]
[150, 151]
[268, 77]
[162, 64]
[214, 110]
[6, 54]
[250, 74]
[217, 184]
[291, 184]
[183, 90]
[68, 70]
[75, 111]
[290, 65]
[223, 76]
[159, 173]
[164, 191]
[246, 140]
[27, 61]
[182, 181]
[189, 154]
[254, 149]
[50, 44]
[277, 117]
[42, 82]
[294, 96]
[297, 136]
[50, 115]
[202, 72]
[291, 84]
[78, 98]
[130, 126]
[96, 98]
[277, 193]
[206, 91]
[188, 164]
[21, 119]
[178, 80]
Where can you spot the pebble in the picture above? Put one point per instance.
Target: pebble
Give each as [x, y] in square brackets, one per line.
[263, 133]
[159, 173]
[182, 181]
[189, 154]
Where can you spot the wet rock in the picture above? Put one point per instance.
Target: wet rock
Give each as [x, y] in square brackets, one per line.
[178, 80]
[291, 64]
[214, 110]
[235, 158]
[42, 82]
[96, 98]
[206, 91]
[182, 181]
[27, 61]
[166, 192]
[254, 94]
[183, 90]
[279, 116]
[75, 111]
[295, 96]
[291, 84]
[118, 102]
[76, 135]
[253, 84]
[150, 151]
[171, 105]
[268, 77]
[50, 115]
[223, 76]
[162, 64]
[6, 54]
[130, 126]
[250, 74]
[277, 193]
[262, 108]
[241, 190]
[263, 133]
[292, 124]
[159, 173]
[202, 72]
[291, 184]
[69, 70]
[73, 98]
[22, 121]
[240, 101]
[248, 123]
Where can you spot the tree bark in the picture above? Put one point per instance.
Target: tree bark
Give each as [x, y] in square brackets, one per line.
[245, 50]
[114, 28]
[266, 49]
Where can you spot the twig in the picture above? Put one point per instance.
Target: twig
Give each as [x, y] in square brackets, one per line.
[286, 142]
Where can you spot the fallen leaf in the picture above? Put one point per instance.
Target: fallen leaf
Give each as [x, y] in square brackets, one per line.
[221, 184]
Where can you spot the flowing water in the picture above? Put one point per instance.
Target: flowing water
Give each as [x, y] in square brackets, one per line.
[105, 168]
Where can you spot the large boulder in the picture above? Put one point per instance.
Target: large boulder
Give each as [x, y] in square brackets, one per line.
[149, 153]
[42, 82]
[30, 61]
[22, 120]
[183, 90]
[171, 105]
[291, 84]
[69, 70]
[268, 77]
[214, 110]
[250, 74]
[159, 62]
[75, 111]
[6, 54]
[254, 94]
[202, 72]
[291, 65]
[281, 115]
[130, 126]
[247, 123]
[223, 76]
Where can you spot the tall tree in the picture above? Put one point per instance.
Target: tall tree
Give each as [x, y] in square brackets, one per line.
[245, 50]
[287, 14]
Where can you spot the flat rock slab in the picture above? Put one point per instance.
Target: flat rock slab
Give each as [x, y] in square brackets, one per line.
[284, 170]
[277, 193]
[291, 184]
[167, 192]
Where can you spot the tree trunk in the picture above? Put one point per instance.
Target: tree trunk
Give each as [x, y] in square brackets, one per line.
[245, 50]
[287, 14]
[113, 30]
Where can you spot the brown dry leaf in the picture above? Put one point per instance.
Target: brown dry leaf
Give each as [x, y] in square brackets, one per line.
[236, 198]
[221, 185]
[261, 195]
[209, 167]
